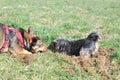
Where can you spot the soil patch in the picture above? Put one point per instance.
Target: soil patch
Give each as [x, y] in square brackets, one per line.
[101, 63]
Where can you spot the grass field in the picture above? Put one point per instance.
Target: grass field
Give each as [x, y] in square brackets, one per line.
[70, 19]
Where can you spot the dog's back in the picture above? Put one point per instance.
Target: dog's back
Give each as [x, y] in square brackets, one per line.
[67, 47]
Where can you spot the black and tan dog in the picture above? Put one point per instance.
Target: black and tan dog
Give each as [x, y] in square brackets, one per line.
[19, 42]
[86, 46]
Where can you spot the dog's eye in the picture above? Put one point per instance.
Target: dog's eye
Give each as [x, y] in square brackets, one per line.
[34, 40]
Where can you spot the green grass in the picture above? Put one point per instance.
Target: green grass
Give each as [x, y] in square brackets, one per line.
[70, 19]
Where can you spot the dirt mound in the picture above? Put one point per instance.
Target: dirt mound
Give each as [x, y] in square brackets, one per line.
[101, 63]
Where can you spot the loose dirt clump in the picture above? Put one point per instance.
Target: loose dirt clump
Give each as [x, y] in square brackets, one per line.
[101, 63]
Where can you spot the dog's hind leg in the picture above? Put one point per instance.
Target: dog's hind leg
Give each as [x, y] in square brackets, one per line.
[2, 39]
[2, 36]
[24, 55]
[16, 52]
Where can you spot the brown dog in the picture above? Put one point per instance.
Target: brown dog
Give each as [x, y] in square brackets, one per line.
[19, 42]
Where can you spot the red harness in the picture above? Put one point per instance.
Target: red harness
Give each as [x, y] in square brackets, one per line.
[7, 33]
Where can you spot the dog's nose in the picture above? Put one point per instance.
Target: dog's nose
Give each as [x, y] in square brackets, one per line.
[40, 51]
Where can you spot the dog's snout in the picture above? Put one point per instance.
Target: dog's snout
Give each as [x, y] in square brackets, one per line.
[40, 51]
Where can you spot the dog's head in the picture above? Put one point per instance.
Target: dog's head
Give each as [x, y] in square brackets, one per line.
[94, 36]
[56, 44]
[34, 43]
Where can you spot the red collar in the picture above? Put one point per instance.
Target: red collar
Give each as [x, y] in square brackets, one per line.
[7, 33]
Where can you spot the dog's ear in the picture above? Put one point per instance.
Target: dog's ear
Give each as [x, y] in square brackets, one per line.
[54, 43]
[30, 30]
[34, 39]
[53, 46]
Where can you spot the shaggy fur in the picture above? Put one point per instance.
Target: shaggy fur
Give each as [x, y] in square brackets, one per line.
[86, 46]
